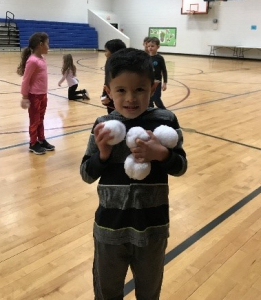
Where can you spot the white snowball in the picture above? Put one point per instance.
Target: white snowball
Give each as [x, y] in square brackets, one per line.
[134, 170]
[135, 133]
[118, 131]
[167, 136]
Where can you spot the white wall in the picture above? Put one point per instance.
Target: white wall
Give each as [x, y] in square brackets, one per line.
[53, 10]
[194, 33]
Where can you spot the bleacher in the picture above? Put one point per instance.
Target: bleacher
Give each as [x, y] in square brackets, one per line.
[62, 35]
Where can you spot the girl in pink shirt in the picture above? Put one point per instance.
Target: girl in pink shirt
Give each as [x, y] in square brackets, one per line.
[34, 89]
[69, 73]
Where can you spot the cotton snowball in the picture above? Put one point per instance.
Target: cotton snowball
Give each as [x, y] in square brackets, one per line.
[118, 131]
[137, 171]
[134, 133]
[166, 135]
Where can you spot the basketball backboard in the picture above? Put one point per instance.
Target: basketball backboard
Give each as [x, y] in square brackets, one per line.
[194, 7]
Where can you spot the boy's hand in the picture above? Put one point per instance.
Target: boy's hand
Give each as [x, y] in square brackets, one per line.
[147, 151]
[101, 139]
[164, 86]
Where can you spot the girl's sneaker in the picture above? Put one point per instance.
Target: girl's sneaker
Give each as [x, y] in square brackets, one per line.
[48, 147]
[37, 148]
[85, 95]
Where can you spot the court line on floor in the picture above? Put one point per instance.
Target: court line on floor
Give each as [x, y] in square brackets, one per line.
[219, 138]
[227, 140]
[49, 138]
[129, 286]
[216, 100]
[184, 98]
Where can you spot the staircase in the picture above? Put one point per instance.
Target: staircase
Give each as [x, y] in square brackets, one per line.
[9, 34]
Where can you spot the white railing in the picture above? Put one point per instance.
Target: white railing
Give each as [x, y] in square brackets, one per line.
[105, 30]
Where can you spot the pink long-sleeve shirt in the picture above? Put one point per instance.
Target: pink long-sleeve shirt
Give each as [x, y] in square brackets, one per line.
[35, 76]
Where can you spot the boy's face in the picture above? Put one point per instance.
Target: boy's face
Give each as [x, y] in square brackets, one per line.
[152, 48]
[107, 53]
[131, 93]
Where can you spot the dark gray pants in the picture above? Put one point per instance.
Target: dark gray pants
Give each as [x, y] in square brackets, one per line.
[111, 263]
[156, 98]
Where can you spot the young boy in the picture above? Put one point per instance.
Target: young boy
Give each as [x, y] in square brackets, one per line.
[159, 71]
[110, 47]
[131, 224]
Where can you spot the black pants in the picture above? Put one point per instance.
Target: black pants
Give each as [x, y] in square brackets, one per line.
[73, 94]
[111, 263]
[156, 98]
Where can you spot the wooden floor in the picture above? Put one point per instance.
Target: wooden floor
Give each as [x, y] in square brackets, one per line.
[46, 210]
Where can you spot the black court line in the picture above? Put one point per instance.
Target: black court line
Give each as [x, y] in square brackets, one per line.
[53, 128]
[227, 140]
[211, 91]
[217, 100]
[225, 71]
[129, 286]
[184, 98]
[10, 83]
[49, 138]
[219, 138]
[79, 101]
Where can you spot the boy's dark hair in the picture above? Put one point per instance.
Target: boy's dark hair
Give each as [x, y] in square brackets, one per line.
[155, 40]
[114, 45]
[146, 39]
[34, 41]
[128, 60]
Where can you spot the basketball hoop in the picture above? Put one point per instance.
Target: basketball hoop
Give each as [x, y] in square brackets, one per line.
[191, 12]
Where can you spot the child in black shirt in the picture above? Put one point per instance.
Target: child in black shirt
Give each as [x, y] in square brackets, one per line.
[160, 71]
